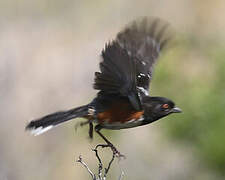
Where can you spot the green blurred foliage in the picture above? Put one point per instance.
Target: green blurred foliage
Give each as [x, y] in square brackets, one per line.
[193, 75]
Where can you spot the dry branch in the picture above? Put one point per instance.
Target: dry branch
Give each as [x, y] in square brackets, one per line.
[101, 175]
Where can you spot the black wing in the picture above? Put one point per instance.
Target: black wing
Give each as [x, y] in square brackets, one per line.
[126, 68]
[143, 40]
[118, 74]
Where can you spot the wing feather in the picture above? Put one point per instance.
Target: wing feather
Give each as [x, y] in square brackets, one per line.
[127, 62]
[144, 39]
[118, 74]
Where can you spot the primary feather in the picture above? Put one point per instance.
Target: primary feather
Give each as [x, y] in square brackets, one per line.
[143, 40]
[118, 74]
[127, 65]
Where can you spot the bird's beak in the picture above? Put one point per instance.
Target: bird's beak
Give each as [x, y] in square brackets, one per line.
[176, 110]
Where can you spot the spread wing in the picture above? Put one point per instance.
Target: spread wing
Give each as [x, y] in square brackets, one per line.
[143, 40]
[127, 62]
[118, 74]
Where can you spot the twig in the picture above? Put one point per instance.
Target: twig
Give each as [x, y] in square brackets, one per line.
[101, 176]
[109, 165]
[121, 173]
[99, 162]
[86, 166]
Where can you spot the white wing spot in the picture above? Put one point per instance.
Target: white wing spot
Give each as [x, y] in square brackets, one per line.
[141, 74]
[143, 90]
[144, 63]
[149, 76]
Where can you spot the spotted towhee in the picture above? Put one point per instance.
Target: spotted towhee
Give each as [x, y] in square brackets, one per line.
[123, 99]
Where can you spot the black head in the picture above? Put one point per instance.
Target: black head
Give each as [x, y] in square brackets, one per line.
[158, 107]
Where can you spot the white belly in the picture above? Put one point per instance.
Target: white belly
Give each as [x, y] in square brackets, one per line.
[129, 124]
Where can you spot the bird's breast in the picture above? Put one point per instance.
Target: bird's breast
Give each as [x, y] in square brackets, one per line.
[120, 116]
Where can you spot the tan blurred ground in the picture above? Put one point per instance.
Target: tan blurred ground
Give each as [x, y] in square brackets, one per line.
[48, 54]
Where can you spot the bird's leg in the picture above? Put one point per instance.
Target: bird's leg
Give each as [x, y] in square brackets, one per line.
[108, 143]
[90, 132]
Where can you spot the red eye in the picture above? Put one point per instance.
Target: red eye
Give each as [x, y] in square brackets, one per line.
[165, 106]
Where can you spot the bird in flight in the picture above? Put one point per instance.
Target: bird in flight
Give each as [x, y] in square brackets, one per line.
[123, 99]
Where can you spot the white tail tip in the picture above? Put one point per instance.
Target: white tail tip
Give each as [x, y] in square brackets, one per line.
[40, 130]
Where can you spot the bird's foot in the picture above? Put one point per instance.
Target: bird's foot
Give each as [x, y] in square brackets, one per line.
[116, 153]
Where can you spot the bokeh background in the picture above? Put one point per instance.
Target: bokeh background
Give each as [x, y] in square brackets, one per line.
[49, 51]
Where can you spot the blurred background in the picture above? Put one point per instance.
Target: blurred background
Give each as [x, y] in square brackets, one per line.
[49, 51]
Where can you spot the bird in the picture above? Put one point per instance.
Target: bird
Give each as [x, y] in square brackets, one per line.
[123, 84]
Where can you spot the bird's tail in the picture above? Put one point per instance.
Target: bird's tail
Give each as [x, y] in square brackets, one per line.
[45, 123]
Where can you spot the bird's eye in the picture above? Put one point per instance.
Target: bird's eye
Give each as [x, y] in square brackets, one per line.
[165, 106]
